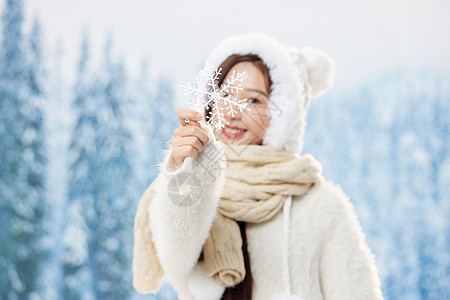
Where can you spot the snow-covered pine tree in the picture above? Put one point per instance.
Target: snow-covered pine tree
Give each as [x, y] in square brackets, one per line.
[58, 120]
[35, 70]
[110, 245]
[80, 203]
[141, 123]
[37, 138]
[401, 195]
[22, 157]
[431, 99]
[100, 186]
[151, 102]
[154, 122]
[164, 117]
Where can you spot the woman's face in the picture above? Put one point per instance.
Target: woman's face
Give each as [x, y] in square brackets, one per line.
[247, 127]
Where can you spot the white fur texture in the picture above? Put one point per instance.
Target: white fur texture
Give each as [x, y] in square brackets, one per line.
[285, 297]
[320, 68]
[328, 256]
[291, 85]
[203, 287]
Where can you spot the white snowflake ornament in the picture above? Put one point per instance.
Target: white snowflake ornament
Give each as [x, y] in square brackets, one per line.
[207, 94]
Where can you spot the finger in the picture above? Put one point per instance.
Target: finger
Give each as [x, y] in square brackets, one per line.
[198, 132]
[192, 123]
[185, 151]
[188, 141]
[188, 114]
[195, 131]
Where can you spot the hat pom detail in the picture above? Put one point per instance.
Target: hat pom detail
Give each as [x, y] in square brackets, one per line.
[321, 70]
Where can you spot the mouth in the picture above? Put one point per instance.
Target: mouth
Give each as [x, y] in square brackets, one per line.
[233, 132]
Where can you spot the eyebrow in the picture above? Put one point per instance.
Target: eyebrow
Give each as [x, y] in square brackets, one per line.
[258, 91]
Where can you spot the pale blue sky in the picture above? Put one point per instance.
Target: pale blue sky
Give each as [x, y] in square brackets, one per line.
[363, 37]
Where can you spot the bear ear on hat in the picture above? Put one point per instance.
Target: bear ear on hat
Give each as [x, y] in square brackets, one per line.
[320, 68]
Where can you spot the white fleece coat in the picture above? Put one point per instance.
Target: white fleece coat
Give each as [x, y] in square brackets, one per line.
[329, 258]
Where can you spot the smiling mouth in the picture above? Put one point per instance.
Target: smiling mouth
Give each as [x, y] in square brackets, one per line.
[233, 132]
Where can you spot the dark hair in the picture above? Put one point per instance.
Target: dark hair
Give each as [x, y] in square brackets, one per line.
[234, 59]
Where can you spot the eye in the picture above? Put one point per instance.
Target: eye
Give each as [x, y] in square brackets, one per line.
[225, 94]
[253, 101]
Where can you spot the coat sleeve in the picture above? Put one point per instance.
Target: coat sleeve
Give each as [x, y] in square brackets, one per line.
[347, 264]
[182, 211]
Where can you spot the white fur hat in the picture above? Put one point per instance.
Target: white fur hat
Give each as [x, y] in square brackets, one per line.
[297, 77]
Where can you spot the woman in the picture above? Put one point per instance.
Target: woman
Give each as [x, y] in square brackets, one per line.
[236, 213]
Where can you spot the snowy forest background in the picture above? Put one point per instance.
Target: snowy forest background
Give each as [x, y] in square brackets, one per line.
[76, 157]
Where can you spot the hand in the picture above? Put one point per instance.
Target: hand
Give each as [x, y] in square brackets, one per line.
[188, 139]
